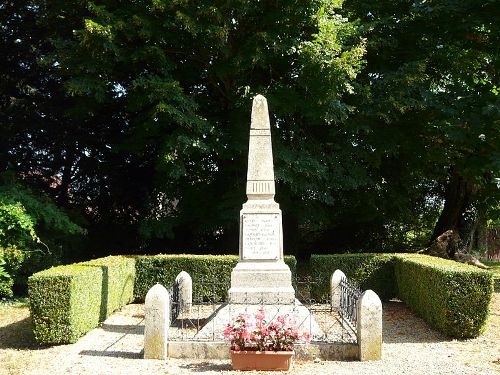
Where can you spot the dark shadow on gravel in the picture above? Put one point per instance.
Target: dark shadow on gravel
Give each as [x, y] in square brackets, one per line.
[112, 353]
[18, 335]
[400, 325]
[206, 366]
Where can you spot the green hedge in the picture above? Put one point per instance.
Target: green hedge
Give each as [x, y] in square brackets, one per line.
[68, 301]
[369, 271]
[452, 297]
[211, 274]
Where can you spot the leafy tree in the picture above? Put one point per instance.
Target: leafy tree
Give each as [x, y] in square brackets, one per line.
[136, 115]
[430, 107]
[155, 126]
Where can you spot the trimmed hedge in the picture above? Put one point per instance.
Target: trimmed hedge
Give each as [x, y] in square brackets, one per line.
[68, 301]
[211, 274]
[452, 297]
[369, 271]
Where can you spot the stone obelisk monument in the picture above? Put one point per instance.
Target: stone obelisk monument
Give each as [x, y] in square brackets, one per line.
[260, 279]
[261, 276]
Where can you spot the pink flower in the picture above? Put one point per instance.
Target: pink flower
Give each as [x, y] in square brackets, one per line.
[253, 332]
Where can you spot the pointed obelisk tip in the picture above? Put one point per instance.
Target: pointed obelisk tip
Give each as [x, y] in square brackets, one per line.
[260, 174]
[260, 113]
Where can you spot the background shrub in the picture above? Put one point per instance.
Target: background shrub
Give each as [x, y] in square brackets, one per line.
[369, 271]
[211, 274]
[6, 281]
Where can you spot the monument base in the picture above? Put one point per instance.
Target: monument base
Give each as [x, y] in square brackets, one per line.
[218, 321]
[261, 282]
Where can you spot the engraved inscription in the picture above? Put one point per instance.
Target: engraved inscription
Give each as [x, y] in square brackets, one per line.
[261, 236]
[265, 132]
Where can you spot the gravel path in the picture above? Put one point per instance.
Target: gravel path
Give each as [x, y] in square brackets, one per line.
[410, 347]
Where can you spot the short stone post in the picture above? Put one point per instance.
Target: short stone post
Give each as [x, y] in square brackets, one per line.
[369, 326]
[185, 292]
[335, 288]
[157, 321]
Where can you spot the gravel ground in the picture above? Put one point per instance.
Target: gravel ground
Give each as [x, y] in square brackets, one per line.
[410, 347]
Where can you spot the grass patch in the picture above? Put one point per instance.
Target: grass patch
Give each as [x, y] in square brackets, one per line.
[495, 268]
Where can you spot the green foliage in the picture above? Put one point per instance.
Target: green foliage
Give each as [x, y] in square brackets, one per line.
[12, 259]
[369, 271]
[428, 109]
[68, 301]
[214, 270]
[24, 211]
[495, 269]
[211, 274]
[16, 226]
[452, 297]
[162, 92]
[29, 226]
[6, 281]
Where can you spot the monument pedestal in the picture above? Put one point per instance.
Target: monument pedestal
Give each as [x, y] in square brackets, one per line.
[261, 276]
[261, 283]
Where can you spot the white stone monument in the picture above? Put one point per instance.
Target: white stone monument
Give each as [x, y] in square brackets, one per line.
[261, 279]
[261, 275]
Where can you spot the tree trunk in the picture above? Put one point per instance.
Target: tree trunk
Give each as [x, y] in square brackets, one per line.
[458, 196]
[478, 236]
[445, 241]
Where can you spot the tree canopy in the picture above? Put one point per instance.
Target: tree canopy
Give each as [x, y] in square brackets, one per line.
[134, 118]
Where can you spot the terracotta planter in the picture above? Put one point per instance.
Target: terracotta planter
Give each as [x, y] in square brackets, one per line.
[268, 361]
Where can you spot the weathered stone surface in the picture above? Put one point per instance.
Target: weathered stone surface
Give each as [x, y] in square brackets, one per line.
[369, 326]
[326, 351]
[260, 235]
[335, 288]
[156, 322]
[185, 292]
[219, 350]
[260, 173]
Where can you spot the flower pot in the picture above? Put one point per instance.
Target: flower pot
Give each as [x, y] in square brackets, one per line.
[263, 361]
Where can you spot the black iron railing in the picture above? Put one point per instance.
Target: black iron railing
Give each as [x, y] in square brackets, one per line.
[349, 296]
[174, 301]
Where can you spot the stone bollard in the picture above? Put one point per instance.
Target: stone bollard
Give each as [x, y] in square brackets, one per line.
[369, 326]
[185, 292]
[335, 289]
[157, 321]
